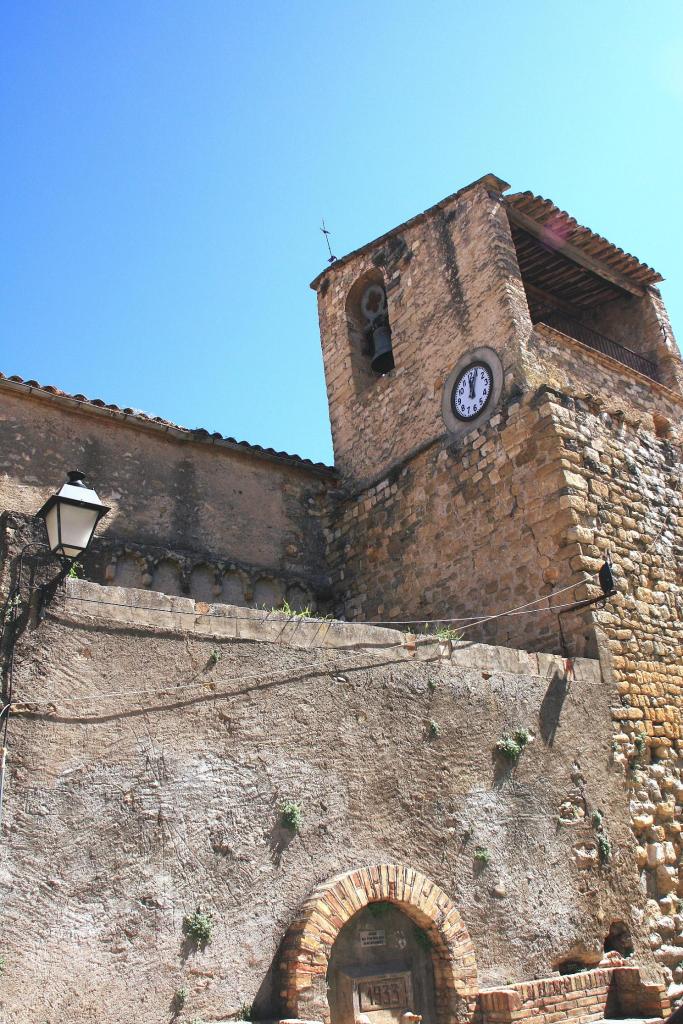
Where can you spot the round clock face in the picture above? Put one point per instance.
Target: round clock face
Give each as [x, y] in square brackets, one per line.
[472, 391]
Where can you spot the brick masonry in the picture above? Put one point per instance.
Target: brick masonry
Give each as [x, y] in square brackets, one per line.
[308, 943]
[590, 996]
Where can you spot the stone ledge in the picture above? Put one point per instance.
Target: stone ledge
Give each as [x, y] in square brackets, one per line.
[82, 601]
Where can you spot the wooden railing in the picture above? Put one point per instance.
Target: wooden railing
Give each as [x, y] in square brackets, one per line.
[587, 336]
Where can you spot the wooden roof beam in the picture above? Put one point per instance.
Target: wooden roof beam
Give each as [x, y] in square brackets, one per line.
[572, 252]
[537, 296]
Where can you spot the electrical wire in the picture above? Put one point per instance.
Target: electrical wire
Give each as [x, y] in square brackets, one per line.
[172, 690]
[468, 620]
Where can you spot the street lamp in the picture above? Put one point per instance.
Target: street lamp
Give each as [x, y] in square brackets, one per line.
[71, 516]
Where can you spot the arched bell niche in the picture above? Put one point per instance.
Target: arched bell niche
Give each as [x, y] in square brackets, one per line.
[330, 971]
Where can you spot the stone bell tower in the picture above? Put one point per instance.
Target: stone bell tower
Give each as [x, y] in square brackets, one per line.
[398, 314]
[474, 278]
[463, 351]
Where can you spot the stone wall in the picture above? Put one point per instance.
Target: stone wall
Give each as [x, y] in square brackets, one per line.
[190, 514]
[578, 371]
[470, 529]
[153, 744]
[634, 506]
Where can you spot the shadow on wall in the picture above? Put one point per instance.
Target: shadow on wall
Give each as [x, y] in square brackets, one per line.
[551, 707]
[166, 578]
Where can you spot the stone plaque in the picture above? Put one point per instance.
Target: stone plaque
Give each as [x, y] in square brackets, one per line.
[372, 937]
[387, 993]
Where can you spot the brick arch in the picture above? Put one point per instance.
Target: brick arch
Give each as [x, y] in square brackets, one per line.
[307, 946]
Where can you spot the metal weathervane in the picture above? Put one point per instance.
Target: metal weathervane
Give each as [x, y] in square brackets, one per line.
[326, 233]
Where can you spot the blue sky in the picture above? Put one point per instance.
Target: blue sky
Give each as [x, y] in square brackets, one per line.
[166, 166]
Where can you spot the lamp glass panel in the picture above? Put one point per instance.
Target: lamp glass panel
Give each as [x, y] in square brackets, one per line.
[52, 525]
[77, 525]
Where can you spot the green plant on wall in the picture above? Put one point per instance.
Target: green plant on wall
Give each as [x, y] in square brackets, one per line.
[602, 839]
[180, 998]
[444, 633]
[482, 856]
[604, 848]
[245, 1011]
[639, 746]
[198, 926]
[511, 746]
[433, 730]
[286, 609]
[75, 571]
[291, 816]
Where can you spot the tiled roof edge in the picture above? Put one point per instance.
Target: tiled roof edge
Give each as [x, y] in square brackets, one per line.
[142, 419]
[544, 210]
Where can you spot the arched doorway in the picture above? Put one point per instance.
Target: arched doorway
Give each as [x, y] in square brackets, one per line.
[310, 958]
[380, 967]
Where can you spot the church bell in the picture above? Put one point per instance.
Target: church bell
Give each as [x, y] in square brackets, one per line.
[382, 355]
[373, 306]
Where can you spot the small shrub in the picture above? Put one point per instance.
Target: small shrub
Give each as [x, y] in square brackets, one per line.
[640, 744]
[198, 926]
[509, 748]
[596, 818]
[433, 730]
[431, 685]
[286, 609]
[214, 657]
[482, 856]
[75, 571]
[2, 966]
[444, 633]
[604, 848]
[245, 1011]
[291, 816]
[521, 737]
[180, 998]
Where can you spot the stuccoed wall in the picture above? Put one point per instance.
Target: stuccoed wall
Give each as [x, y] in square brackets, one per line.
[146, 776]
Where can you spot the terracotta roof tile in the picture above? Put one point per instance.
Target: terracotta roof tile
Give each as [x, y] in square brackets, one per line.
[199, 433]
[565, 227]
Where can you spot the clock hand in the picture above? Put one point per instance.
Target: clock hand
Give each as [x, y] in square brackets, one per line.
[472, 379]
